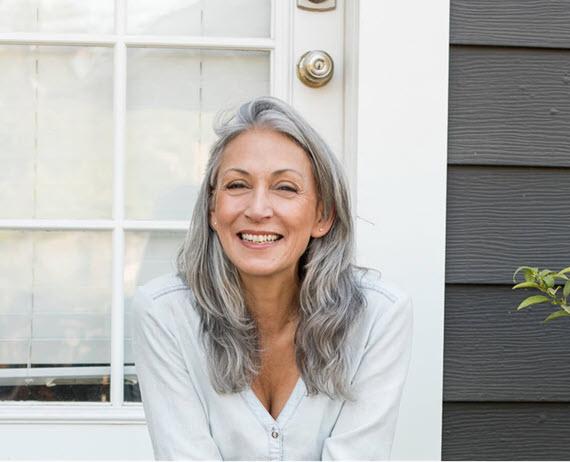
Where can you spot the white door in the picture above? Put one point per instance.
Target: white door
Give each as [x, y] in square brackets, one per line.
[106, 110]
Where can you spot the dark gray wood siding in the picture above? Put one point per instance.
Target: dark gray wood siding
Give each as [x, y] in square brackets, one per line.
[506, 375]
[506, 431]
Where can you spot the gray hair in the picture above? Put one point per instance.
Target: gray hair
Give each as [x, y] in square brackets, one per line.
[330, 296]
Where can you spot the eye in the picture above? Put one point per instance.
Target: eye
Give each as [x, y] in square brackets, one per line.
[236, 185]
[286, 187]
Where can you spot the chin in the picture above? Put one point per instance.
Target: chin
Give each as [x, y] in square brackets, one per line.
[261, 270]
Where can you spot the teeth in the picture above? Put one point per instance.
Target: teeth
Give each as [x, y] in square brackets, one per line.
[259, 238]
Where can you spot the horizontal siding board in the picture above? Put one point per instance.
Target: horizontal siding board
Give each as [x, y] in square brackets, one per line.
[506, 431]
[532, 23]
[494, 353]
[501, 218]
[509, 106]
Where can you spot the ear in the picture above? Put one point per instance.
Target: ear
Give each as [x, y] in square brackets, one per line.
[323, 225]
[212, 220]
[212, 210]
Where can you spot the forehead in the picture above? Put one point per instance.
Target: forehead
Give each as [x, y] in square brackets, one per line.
[262, 151]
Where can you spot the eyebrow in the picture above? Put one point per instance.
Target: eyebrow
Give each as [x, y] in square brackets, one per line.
[275, 173]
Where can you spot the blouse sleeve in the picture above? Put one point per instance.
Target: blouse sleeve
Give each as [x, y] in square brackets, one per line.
[176, 421]
[365, 427]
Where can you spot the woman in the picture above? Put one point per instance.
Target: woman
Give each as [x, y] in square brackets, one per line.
[270, 344]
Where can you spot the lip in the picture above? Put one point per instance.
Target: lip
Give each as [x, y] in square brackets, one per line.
[257, 232]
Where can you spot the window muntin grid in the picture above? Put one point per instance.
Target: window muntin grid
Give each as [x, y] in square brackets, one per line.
[121, 44]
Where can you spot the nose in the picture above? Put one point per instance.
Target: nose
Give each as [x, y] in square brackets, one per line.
[259, 206]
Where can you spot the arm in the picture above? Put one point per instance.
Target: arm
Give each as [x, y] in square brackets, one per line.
[365, 427]
[176, 421]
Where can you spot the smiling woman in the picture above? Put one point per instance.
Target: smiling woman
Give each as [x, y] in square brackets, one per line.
[270, 343]
[264, 208]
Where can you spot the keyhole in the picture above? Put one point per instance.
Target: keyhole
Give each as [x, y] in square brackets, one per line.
[319, 64]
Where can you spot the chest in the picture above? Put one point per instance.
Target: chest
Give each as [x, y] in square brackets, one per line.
[242, 432]
[277, 379]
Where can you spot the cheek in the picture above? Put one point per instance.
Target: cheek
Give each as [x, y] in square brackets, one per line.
[301, 214]
[226, 209]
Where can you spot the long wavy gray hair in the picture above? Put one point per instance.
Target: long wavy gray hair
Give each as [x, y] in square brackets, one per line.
[330, 296]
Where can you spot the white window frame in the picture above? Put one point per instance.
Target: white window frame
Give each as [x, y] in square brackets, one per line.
[117, 410]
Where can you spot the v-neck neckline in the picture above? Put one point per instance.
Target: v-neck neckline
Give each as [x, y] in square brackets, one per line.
[263, 414]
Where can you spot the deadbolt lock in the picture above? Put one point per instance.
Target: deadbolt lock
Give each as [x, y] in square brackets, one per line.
[316, 5]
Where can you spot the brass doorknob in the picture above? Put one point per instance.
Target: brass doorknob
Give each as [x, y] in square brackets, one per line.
[315, 68]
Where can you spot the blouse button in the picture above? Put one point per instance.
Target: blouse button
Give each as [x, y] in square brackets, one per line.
[274, 434]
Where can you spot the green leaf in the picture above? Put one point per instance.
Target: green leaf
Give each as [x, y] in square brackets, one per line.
[552, 291]
[566, 290]
[555, 315]
[545, 272]
[549, 280]
[566, 308]
[528, 273]
[564, 271]
[527, 285]
[533, 300]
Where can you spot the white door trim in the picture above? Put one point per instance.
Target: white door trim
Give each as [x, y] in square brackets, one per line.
[401, 188]
[351, 56]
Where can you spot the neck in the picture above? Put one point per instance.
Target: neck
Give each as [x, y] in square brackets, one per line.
[272, 301]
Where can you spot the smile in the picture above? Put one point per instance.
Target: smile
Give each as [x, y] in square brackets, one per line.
[259, 238]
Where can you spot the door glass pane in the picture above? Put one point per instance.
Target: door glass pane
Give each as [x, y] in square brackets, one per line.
[56, 132]
[55, 315]
[147, 255]
[172, 98]
[85, 16]
[230, 18]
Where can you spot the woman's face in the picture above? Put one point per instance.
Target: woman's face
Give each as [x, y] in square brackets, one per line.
[265, 206]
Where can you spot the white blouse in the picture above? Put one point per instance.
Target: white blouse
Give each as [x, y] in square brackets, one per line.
[188, 419]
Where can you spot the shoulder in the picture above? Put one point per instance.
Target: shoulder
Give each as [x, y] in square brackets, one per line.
[387, 306]
[381, 294]
[158, 298]
[163, 287]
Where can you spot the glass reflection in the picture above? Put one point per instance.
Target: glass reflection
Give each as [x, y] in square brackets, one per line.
[229, 18]
[172, 98]
[54, 315]
[56, 132]
[58, 16]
